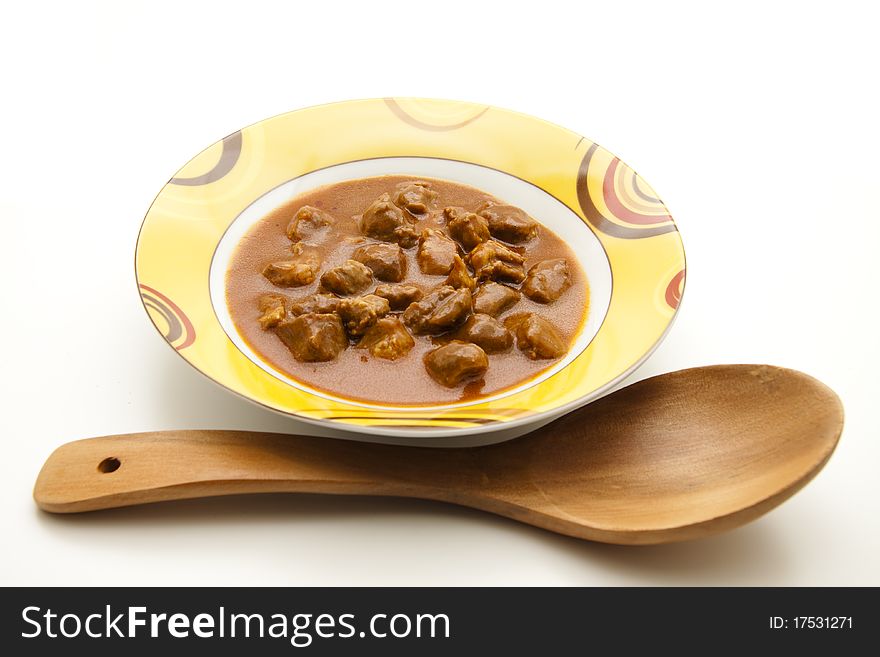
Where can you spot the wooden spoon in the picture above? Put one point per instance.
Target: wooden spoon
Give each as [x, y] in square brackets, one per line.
[674, 457]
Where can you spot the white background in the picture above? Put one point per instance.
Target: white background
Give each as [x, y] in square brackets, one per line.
[758, 125]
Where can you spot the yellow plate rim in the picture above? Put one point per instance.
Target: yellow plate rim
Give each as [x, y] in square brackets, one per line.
[421, 109]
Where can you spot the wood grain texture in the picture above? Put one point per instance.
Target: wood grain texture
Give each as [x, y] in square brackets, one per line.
[675, 457]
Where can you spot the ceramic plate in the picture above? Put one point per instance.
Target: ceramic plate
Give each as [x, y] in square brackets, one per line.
[621, 232]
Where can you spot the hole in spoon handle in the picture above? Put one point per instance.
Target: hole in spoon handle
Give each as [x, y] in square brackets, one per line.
[109, 464]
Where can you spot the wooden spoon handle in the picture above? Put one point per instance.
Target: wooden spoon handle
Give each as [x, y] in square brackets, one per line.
[114, 471]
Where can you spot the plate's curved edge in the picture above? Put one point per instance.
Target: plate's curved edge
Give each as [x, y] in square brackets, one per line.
[413, 434]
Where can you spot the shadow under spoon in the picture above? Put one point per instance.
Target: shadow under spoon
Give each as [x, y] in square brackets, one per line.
[674, 457]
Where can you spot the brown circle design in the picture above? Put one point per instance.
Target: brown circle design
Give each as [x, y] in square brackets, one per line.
[620, 193]
[400, 113]
[180, 332]
[228, 157]
[637, 188]
[675, 289]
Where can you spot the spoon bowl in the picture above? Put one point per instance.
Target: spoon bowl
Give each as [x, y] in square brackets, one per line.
[674, 457]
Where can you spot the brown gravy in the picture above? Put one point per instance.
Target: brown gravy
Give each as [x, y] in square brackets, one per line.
[355, 374]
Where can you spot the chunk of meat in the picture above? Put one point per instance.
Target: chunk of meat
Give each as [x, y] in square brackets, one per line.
[414, 196]
[492, 260]
[313, 337]
[350, 277]
[309, 223]
[450, 312]
[301, 270]
[486, 332]
[387, 261]
[452, 363]
[315, 303]
[387, 338]
[547, 280]
[535, 336]
[361, 313]
[493, 298]
[467, 228]
[508, 223]
[385, 221]
[459, 276]
[436, 252]
[273, 310]
[440, 310]
[399, 296]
